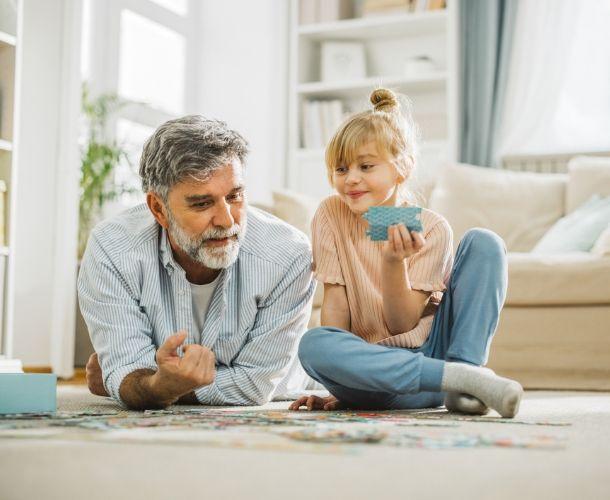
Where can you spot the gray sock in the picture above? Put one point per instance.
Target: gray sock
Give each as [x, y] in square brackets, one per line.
[465, 403]
[499, 393]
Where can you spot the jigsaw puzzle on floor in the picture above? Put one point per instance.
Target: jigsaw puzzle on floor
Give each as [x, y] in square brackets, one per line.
[321, 432]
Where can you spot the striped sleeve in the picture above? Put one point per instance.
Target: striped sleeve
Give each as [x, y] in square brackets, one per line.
[263, 361]
[429, 269]
[326, 265]
[120, 330]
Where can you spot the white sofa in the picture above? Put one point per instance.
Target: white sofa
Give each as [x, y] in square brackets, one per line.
[554, 330]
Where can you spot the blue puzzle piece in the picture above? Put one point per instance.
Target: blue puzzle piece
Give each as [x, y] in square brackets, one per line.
[380, 218]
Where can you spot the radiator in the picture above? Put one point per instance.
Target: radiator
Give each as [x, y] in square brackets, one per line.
[553, 163]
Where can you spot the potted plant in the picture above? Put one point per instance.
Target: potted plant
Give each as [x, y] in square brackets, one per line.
[100, 155]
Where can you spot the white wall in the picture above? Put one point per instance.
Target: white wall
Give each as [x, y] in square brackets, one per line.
[243, 81]
[44, 192]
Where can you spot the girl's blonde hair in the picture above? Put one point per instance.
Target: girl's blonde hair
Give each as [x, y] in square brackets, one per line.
[389, 124]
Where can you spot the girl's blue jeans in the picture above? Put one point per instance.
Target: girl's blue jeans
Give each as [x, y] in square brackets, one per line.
[363, 375]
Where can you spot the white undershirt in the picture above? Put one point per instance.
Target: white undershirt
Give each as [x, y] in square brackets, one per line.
[201, 296]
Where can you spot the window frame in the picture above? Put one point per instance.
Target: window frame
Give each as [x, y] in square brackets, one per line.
[104, 55]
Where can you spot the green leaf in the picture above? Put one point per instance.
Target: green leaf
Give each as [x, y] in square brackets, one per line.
[99, 158]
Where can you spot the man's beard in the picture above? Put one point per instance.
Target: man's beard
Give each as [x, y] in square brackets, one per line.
[196, 248]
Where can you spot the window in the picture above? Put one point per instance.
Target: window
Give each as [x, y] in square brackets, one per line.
[143, 51]
[178, 6]
[558, 97]
[151, 65]
[132, 136]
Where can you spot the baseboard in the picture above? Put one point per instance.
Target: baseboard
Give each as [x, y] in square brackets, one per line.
[37, 369]
[79, 376]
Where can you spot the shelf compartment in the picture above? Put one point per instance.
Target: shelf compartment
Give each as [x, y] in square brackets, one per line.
[354, 87]
[386, 26]
[7, 40]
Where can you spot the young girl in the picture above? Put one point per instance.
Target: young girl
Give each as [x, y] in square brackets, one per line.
[400, 327]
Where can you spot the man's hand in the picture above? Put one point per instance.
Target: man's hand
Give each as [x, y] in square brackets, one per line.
[177, 376]
[94, 376]
[329, 403]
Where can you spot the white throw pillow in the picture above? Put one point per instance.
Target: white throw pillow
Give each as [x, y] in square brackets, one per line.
[588, 175]
[519, 206]
[577, 231]
[602, 245]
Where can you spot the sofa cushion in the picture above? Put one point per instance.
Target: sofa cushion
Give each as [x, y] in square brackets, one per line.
[295, 208]
[558, 279]
[579, 230]
[298, 210]
[588, 175]
[519, 206]
[602, 245]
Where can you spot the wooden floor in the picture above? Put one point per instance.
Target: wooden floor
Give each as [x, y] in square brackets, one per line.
[78, 378]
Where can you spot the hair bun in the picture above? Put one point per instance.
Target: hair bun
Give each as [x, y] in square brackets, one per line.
[384, 100]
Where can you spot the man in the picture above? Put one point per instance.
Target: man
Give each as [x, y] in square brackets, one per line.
[194, 298]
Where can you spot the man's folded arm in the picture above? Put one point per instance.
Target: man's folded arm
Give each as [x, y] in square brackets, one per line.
[120, 331]
[266, 357]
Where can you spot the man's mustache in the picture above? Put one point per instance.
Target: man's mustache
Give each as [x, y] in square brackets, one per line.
[219, 233]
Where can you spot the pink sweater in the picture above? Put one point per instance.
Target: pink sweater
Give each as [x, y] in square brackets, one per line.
[343, 254]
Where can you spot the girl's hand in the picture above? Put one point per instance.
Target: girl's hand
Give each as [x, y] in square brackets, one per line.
[329, 403]
[402, 243]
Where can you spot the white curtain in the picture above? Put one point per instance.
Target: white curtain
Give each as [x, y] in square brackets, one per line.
[558, 94]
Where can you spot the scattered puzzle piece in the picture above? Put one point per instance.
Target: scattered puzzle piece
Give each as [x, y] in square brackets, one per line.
[337, 435]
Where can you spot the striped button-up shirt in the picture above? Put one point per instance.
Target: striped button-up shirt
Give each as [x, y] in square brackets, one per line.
[133, 295]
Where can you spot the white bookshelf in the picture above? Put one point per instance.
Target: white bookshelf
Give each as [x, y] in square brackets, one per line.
[8, 50]
[39, 164]
[351, 88]
[394, 25]
[7, 39]
[388, 40]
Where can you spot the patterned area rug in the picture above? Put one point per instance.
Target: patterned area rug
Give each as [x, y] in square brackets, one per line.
[95, 450]
[84, 417]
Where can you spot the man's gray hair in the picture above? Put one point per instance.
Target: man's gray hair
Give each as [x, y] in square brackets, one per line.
[191, 146]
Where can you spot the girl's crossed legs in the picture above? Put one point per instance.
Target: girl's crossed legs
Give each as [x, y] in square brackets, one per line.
[363, 375]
